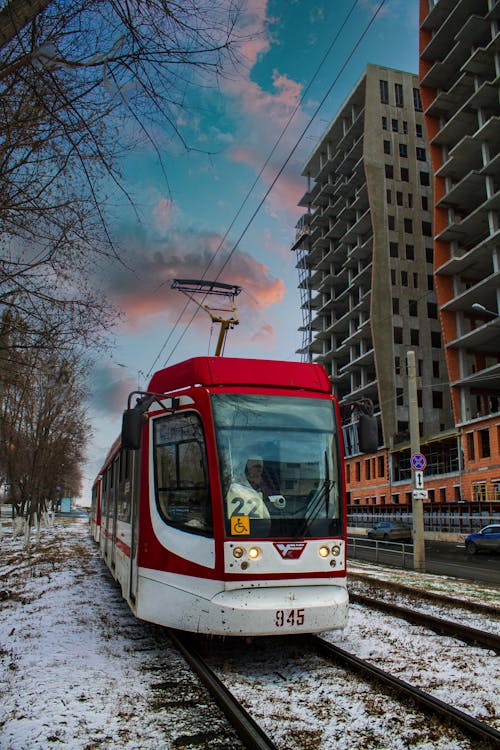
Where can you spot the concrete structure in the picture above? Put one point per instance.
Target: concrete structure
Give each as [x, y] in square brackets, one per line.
[460, 89]
[365, 260]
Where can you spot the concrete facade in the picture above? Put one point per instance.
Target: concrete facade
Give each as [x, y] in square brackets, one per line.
[365, 261]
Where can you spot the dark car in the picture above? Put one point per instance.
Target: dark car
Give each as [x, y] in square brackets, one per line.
[390, 531]
[486, 539]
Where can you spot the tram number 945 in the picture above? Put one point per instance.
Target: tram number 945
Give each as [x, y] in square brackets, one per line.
[289, 617]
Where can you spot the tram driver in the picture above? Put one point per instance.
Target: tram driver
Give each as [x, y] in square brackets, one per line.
[259, 479]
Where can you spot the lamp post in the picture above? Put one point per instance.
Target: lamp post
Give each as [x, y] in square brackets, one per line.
[481, 308]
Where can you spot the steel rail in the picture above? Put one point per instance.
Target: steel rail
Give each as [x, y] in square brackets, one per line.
[464, 633]
[434, 596]
[249, 732]
[424, 700]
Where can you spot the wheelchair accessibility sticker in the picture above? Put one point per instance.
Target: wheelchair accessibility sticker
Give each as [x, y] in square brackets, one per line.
[240, 525]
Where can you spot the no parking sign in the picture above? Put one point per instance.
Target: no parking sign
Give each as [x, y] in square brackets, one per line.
[418, 461]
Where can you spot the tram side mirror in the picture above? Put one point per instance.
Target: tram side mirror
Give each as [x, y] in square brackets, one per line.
[131, 429]
[367, 433]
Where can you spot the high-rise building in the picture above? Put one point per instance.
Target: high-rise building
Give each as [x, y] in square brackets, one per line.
[365, 261]
[459, 80]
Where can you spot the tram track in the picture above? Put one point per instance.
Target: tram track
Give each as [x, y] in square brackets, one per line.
[424, 700]
[432, 596]
[472, 636]
[251, 733]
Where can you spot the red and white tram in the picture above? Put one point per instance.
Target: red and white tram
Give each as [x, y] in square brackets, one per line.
[222, 506]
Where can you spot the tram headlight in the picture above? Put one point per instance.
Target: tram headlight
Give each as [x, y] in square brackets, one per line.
[336, 550]
[238, 552]
[254, 553]
[323, 551]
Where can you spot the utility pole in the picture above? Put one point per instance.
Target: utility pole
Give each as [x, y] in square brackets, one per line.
[417, 464]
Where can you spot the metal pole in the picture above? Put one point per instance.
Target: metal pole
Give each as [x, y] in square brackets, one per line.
[417, 503]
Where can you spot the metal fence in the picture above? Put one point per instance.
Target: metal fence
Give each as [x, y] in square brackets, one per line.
[389, 553]
[456, 523]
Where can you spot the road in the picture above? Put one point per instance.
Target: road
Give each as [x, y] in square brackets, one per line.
[441, 558]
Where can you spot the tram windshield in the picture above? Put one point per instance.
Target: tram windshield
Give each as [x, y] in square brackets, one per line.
[279, 462]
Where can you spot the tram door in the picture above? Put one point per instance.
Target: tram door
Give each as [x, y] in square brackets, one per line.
[135, 479]
[113, 509]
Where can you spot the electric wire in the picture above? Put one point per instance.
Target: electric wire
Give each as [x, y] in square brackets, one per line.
[250, 191]
[287, 124]
[282, 168]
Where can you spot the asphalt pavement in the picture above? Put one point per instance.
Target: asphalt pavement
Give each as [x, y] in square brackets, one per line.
[441, 558]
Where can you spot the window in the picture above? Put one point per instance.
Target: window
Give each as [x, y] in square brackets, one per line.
[393, 276]
[408, 225]
[388, 196]
[390, 221]
[436, 369]
[413, 308]
[405, 175]
[399, 396]
[410, 252]
[348, 473]
[403, 150]
[358, 471]
[414, 337]
[429, 254]
[404, 278]
[432, 310]
[387, 147]
[393, 249]
[415, 280]
[425, 203]
[484, 443]
[419, 130]
[395, 126]
[397, 365]
[384, 92]
[181, 477]
[470, 446]
[425, 179]
[399, 197]
[427, 229]
[410, 200]
[398, 93]
[436, 339]
[395, 306]
[389, 171]
[437, 399]
[398, 335]
[405, 127]
[367, 469]
[417, 102]
[419, 397]
[421, 154]
[430, 282]
[384, 123]
[381, 466]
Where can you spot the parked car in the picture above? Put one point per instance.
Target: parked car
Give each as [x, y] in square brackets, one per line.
[390, 531]
[487, 538]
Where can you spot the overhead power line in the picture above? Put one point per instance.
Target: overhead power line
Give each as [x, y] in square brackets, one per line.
[287, 160]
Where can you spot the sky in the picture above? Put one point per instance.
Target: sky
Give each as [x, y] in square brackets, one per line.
[78, 671]
[214, 214]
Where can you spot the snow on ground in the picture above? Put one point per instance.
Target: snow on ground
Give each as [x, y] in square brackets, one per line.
[78, 671]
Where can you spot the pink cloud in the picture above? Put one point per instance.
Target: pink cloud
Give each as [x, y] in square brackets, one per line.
[184, 255]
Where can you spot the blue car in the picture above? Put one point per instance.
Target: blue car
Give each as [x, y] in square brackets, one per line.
[486, 539]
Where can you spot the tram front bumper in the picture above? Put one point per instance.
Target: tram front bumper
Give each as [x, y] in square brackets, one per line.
[276, 610]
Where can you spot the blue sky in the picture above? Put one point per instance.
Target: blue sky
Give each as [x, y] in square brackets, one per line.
[183, 218]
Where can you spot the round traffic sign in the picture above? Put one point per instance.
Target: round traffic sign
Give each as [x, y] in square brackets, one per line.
[418, 462]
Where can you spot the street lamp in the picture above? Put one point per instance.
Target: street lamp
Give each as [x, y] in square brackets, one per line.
[481, 308]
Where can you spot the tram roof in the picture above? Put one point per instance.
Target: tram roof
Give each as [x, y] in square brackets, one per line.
[232, 371]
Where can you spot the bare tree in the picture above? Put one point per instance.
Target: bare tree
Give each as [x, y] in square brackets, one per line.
[80, 85]
[44, 429]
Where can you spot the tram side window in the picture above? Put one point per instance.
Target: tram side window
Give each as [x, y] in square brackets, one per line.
[181, 476]
[124, 489]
